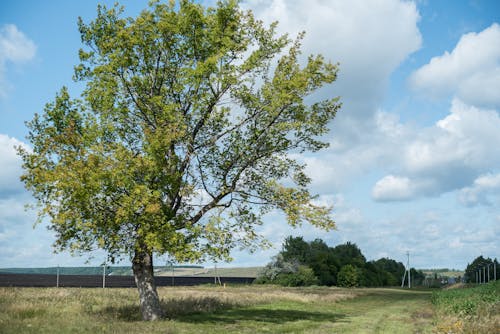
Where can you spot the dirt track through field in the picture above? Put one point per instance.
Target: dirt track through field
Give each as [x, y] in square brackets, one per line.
[386, 311]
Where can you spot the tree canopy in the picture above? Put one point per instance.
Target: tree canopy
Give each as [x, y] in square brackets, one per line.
[343, 265]
[482, 269]
[181, 140]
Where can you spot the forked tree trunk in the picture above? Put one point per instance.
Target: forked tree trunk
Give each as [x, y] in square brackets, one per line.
[142, 266]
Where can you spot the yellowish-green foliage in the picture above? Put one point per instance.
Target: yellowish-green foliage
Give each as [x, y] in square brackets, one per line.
[180, 141]
[211, 309]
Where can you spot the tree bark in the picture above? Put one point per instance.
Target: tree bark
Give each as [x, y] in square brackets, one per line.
[142, 266]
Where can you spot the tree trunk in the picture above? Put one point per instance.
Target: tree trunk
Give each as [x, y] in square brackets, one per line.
[142, 266]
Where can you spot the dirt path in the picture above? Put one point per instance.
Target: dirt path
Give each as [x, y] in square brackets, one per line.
[386, 311]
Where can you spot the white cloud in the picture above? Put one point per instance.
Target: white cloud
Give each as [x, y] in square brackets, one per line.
[445, 157]
[401, 188]
[16, 48]
[368, 39]
[10, 166]
[381, 146]
[393, 188]
[471, 71]
[479, 192]
[465, 138]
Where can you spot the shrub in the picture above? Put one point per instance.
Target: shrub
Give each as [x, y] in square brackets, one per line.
[304, 276]
[286, 273]
[348, 276]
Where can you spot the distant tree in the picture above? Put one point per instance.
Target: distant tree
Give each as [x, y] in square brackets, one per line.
[348, 276]
[295, 248]
[276, 267]
[304, 276]
[181, 139]
[326, 262]
[349, 253]
[392, 271]
[372, 276]
[324, 265]
[483, 264]
[417, 277]
[287, 273]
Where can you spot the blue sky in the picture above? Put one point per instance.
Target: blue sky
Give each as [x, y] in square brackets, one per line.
[414, 157]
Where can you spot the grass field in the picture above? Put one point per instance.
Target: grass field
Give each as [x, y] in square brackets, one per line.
[248, 309]
[473, 309]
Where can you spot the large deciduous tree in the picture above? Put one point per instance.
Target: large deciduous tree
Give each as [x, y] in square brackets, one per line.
[181, 140]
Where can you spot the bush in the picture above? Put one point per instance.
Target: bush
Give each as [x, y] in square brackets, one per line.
[286, 273]
[348, 276]
[303, 277]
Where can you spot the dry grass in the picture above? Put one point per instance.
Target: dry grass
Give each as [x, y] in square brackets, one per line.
[260, 294]
[211, 309]
[191, 309]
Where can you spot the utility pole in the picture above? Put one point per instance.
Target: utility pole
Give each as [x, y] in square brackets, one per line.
[404, 277]
[173, 272]
[409, 270]
[57, 281]
[104, 275]
[216, 277]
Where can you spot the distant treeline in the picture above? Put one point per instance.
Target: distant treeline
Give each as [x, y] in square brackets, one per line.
[441, 270]
[302, 263]
[110, 270]
[482, 270]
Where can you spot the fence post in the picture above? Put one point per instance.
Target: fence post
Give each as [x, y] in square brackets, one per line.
[104, 276]
[57, 279]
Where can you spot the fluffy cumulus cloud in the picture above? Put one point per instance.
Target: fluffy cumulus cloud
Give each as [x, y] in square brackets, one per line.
[458, 152]
[447, 156]
[10, 166]
[392, 188]
[471, 71]
[20, 243]
[350, 32]
[481, 191]
[15, 48]
[15, 222]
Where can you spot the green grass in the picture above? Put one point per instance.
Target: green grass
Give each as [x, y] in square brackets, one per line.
[210, 309]
[472, 309]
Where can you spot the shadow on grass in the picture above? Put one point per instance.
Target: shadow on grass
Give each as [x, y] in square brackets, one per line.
[173, 308]
[274, 316]
[213, 310]
[123, 313]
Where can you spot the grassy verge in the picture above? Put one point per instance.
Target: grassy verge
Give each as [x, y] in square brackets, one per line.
[251, 309]
[468, 309]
